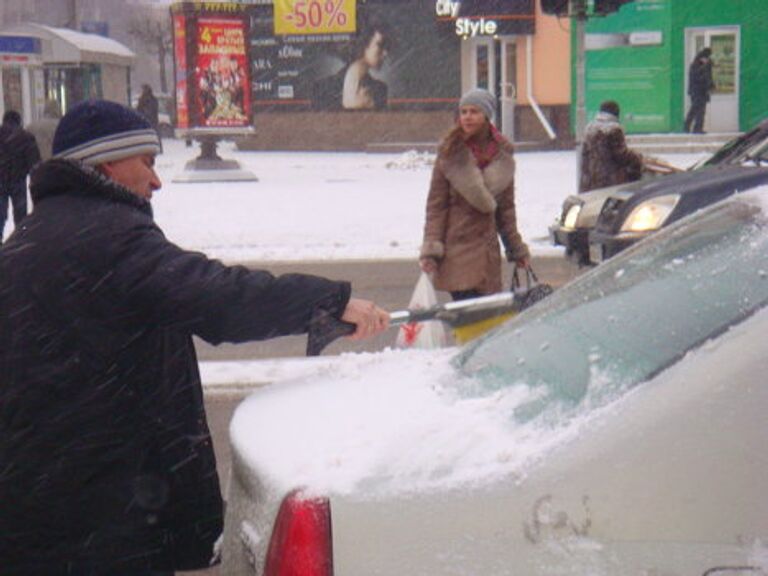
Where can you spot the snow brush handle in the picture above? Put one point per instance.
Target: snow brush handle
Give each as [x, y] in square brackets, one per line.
[324, 328]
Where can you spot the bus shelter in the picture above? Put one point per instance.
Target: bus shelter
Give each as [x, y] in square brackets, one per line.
[39, 63]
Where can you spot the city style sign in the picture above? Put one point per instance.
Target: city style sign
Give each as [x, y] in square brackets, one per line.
[472, 18]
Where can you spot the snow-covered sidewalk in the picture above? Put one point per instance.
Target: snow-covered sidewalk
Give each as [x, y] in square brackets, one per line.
[330, 206]
[325, 205]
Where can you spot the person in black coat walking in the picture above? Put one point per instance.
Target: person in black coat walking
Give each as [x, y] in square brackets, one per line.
[18, 154]
[700, 84]
[106, 461]
[148, 106]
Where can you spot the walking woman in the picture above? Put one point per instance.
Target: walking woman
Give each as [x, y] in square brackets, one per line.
[471, 204]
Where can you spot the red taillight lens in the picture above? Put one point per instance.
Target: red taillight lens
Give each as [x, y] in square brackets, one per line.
[301, 541]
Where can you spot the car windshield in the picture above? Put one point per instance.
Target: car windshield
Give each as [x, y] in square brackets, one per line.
[631, 317]
[758, 154]
[739, 149]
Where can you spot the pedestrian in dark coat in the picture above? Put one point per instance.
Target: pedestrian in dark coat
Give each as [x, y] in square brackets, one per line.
[106, 462]
[471, 203]
[148, 106]
[700, 84]
[18, 154]
[606, 160]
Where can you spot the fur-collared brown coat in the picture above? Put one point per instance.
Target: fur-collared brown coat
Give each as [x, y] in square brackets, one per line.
[467, 209]
[605, 158]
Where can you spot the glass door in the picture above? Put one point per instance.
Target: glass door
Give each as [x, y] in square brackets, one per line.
[508, 87]
[722, 113]
[483, 64]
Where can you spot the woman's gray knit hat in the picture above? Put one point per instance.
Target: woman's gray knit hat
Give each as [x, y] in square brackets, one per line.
[482, 99]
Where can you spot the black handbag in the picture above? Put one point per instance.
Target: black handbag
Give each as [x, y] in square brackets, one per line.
[530, 293]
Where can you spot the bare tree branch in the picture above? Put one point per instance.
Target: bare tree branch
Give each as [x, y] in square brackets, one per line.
[152, 28]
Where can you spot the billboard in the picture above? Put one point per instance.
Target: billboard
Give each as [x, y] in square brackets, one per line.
[393, 55]
[314, 16]
[236, 60]
[213, 86]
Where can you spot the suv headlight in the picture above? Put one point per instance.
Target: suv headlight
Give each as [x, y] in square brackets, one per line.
[571, 216]
[651, 214]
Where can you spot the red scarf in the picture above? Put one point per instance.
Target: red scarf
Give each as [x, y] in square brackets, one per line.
[485, 151]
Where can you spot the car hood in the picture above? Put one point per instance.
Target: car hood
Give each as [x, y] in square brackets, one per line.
[592, 201]
[692, 182]
[683, 183]
[591, 204]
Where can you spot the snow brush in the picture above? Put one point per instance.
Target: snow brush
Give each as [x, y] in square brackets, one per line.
[324, 328]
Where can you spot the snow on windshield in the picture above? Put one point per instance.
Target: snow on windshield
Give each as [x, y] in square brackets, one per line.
[383, 420]
[404, 421]
[758, 196]
[389, 422]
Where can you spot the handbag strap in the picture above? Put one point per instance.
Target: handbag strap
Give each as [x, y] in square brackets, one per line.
[531, 279]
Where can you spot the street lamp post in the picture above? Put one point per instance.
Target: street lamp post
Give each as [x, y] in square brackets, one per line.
[579, 14]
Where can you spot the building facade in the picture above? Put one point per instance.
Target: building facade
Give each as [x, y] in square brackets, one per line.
[40, 63]
[639, 56]
[374, 74]
[116, 19]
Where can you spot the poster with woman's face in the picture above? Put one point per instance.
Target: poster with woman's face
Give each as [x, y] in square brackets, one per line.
[221, 73]
[397, 57]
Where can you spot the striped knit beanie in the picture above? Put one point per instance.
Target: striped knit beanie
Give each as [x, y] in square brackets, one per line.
[98, 131]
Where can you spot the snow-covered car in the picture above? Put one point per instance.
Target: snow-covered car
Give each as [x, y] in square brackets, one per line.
[616, 427]
[579, 213]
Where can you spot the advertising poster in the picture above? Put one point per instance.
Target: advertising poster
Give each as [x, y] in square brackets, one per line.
[353, 56]
[180, 54]
[212, 67]
[221, 73]
[314, 16]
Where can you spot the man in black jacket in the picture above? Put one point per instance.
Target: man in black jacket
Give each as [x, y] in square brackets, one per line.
[106, 463]
[18, 154]
[700, 84]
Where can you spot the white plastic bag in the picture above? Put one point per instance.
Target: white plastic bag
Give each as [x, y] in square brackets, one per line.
[428, 334]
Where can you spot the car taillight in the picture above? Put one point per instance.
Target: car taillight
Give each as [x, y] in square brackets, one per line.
[301, 540]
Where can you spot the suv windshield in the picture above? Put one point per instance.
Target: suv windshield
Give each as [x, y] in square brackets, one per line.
[631, 317]
[758, 154]
[737, 149]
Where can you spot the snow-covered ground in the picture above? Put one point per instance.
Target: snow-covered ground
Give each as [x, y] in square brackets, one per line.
[326, 205]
